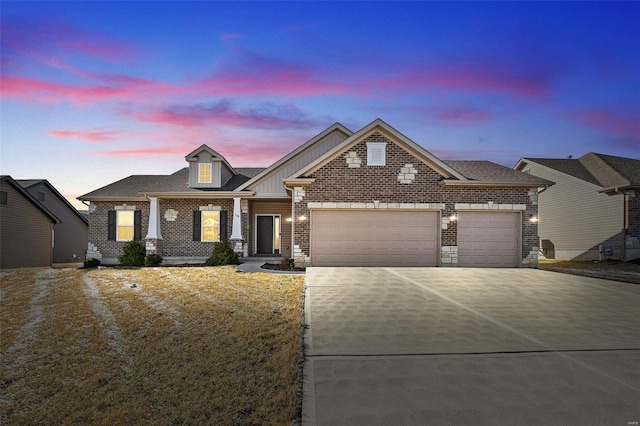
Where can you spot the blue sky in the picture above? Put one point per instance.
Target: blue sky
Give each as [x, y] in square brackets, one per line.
[95, 91]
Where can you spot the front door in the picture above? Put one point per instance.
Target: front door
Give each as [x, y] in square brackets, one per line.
[264, 237]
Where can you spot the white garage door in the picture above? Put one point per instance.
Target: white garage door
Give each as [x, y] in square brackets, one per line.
[488, 239]
[374, 238]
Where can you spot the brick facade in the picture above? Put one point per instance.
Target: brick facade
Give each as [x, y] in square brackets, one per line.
[176, 225]
[338, 182]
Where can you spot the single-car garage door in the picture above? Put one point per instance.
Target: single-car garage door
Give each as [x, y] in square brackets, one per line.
[488, 239]
[374, 238]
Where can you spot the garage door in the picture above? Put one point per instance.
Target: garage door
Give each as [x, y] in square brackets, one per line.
[488, 239]
[374, 238]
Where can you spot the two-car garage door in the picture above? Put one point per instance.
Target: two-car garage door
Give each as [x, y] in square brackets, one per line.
[374, 238]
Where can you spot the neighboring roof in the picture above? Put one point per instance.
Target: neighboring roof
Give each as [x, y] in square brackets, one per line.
[607, 171]
[28, 183]
[134, 187]
[379, 125]
[29, 197]
[488, 172]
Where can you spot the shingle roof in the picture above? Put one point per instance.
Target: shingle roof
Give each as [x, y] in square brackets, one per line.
[133, 186]
[19, 188]
[486, 171]
[28, 183]
[606, 171]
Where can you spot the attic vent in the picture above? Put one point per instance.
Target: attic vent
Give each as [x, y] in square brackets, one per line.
[376, 153]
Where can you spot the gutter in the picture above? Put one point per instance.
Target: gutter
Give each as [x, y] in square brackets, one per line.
[485, 183]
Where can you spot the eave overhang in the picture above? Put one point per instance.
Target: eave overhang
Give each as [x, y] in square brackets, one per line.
[447, 182]
[298, 181]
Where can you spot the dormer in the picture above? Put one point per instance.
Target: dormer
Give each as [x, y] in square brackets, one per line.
[208, 169]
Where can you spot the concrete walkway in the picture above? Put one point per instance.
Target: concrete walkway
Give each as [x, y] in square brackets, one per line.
[413, 346]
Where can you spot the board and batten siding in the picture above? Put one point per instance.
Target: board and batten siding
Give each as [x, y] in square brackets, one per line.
[216, 171]
[283, 208]
[273, 183]
[25, 232]
[576, 217]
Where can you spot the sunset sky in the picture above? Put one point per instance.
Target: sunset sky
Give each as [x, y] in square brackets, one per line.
[92, 92]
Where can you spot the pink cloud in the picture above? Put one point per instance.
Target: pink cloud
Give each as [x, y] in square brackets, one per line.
[146, 152]
[121, 88]
[459, 115]
[225, 112]
[623, 125]
[86, 135]
[477, 76]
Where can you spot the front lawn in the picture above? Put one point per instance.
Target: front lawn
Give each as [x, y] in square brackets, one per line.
[150, 346]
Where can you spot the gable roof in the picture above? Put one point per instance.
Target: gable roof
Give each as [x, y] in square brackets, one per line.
[135, 187]
[379, 125]
[486, 172]
[28, 183]
[606, 171]
[298, 151]
[192, 156]
[9, 180]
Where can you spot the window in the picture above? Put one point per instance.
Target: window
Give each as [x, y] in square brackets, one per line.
[210, 226]
[204, 173]
[124, 225]
[3, 198]
[376, 153]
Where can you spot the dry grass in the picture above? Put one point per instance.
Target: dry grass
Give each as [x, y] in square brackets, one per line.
[150, 346]
[608, 269]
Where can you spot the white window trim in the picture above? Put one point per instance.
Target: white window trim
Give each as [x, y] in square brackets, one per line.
[210, 173]
[371, 146]
[202, 226]
[133, 225]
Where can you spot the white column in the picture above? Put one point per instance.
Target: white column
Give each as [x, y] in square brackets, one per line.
[154, 219]
[236, 226]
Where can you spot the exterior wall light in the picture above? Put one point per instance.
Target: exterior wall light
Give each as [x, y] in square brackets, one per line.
[303, 217]
[453, 218]
[289, 219]
[533, 218]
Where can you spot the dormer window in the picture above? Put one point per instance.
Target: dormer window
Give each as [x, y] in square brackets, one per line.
[204, 173]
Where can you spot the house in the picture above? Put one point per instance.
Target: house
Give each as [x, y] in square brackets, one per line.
[26, 228]
[373, 197]
[592, 211]
[71, 233]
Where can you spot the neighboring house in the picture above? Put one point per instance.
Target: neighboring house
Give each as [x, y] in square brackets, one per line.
[373, 197]
[592, 211]
[26, 228]
[71, 234]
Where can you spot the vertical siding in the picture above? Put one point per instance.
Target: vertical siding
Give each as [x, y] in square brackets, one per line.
[225, 174]
[25, 232]
[71, 234]
[575, 217]
[273, 183]
[283, 208]
[216, 171]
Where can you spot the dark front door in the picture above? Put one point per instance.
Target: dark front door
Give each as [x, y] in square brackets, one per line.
[265, 235]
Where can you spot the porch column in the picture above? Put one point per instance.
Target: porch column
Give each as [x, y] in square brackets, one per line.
[236, 227]
[154, 220]
[154, 237]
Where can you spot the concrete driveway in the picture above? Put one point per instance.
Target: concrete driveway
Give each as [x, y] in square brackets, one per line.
[418, 346]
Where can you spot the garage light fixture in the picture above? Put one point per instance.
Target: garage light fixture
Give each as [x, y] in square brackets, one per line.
[453, 218]
[533, 218]
[303, 217]
[289, 219]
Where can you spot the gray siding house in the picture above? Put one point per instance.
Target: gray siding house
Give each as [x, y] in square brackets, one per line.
[71, 233]
[370, 197]
[592, 211]
[26, 228]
